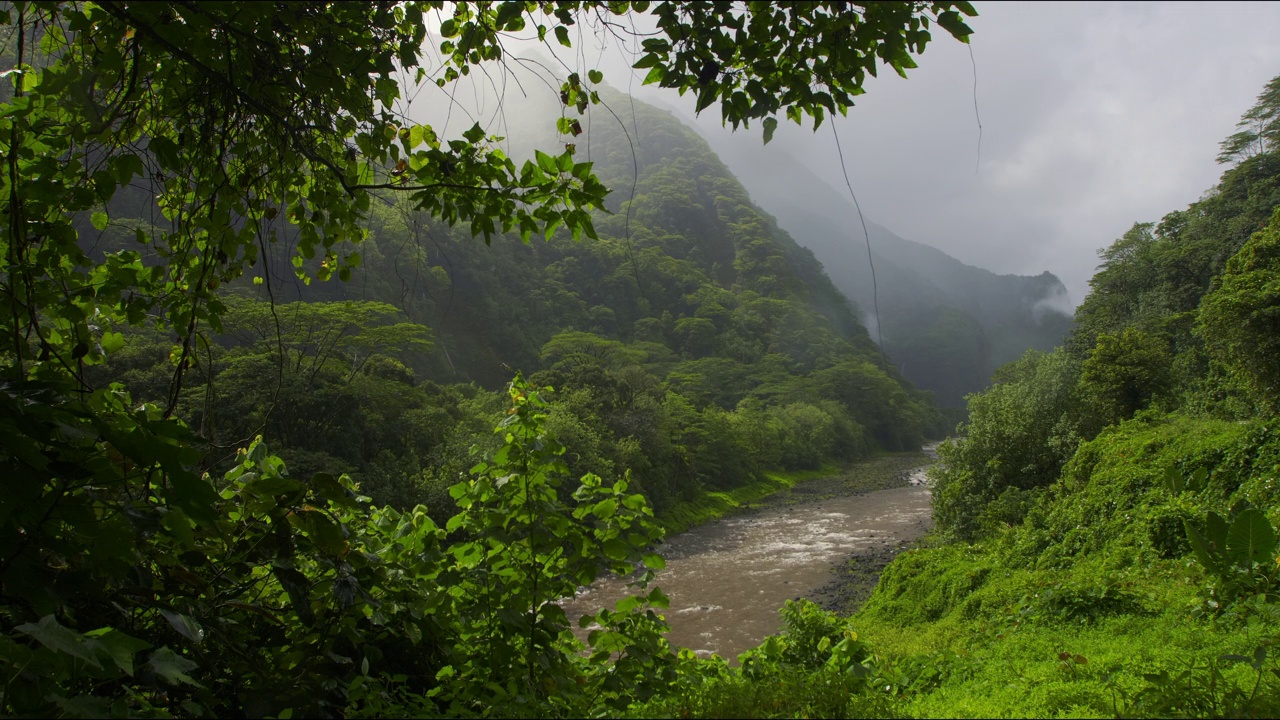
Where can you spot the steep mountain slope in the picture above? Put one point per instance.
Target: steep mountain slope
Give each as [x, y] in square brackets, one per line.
[693, 343]
[946, 325]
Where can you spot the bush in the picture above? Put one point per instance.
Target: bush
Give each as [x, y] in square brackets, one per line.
[1019, 435]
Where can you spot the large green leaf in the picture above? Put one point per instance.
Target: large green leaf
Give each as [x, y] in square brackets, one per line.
[61, 639]
[1215, 529]
[1204, 554]
[172, 667]
[119, 646]
[1251, 539]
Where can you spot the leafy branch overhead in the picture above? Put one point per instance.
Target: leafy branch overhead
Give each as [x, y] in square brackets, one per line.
[245, 119]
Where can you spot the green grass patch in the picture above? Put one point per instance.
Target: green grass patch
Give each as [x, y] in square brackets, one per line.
[712, 505]
[789, 487]
[1086, 609]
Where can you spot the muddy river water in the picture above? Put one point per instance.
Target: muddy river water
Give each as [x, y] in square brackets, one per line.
[727, 579]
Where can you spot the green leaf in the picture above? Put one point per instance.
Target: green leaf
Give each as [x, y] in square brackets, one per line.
[474, 134]
[1215, 531]
[562, 35]
[545, 161]
[85, 706]
[60, 639]
[386, 90]
[172, 667]
[654, 561]
[185, 625]
[119, 646]
[125, 167]
[298, 587]
[616, 549]
[1202, 551]
[770, 124]
[166, 151]
[605, 508]
[1173, 481]
[194, 495]
[1251, 539]
[99, 220]
[112, 342]
[324, 533]
[595, 76]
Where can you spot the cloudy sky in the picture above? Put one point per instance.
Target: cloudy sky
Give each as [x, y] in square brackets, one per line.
[1094, 116]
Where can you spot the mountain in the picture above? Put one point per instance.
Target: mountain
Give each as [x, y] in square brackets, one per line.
[945, 324]
[693, 342]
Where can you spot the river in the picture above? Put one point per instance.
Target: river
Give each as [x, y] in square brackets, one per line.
[728, 578]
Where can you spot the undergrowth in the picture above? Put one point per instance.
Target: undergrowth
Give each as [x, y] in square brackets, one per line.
[1094, 605]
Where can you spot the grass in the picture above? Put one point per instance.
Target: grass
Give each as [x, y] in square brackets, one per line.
[789, 487]
[1074, 613]
[712, 505]
[1084, 610]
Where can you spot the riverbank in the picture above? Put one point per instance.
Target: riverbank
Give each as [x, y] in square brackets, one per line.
[856, 578]
[791, 488]
[727, 579]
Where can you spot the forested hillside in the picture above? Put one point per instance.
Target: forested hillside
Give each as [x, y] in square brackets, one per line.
[946, 325]
[692, 342]
[1106, 537]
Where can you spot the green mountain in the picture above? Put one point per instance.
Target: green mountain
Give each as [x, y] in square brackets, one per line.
[694, 342]
[945, 324]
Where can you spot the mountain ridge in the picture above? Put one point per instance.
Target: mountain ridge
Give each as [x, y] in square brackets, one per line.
[946, 323]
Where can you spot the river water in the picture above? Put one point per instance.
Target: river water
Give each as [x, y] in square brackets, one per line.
[727, 579]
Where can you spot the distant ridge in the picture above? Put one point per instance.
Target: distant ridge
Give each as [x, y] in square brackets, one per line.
[946, 324]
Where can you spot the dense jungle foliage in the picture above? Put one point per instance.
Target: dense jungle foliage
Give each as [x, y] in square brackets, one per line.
[181, 180]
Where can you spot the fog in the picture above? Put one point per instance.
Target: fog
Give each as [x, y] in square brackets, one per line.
[1093, 116]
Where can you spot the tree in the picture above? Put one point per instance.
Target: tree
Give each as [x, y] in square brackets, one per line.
[1259, 127]
[1240, 317]
[1020, 433]
[1123, 373]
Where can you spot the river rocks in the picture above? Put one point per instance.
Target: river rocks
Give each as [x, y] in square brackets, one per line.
[856, 578]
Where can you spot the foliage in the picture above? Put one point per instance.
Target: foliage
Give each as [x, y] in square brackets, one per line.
[277, 594]
[1124, 373]
[523, 549]
[815, 667]
[158, 153]
[1241, 555]
[1240, 317]
[1109, 539]
[1260, 127]
[273, 593]
[1019, 435]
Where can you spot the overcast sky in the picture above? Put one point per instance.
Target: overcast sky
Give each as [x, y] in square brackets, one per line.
[1094, 116]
